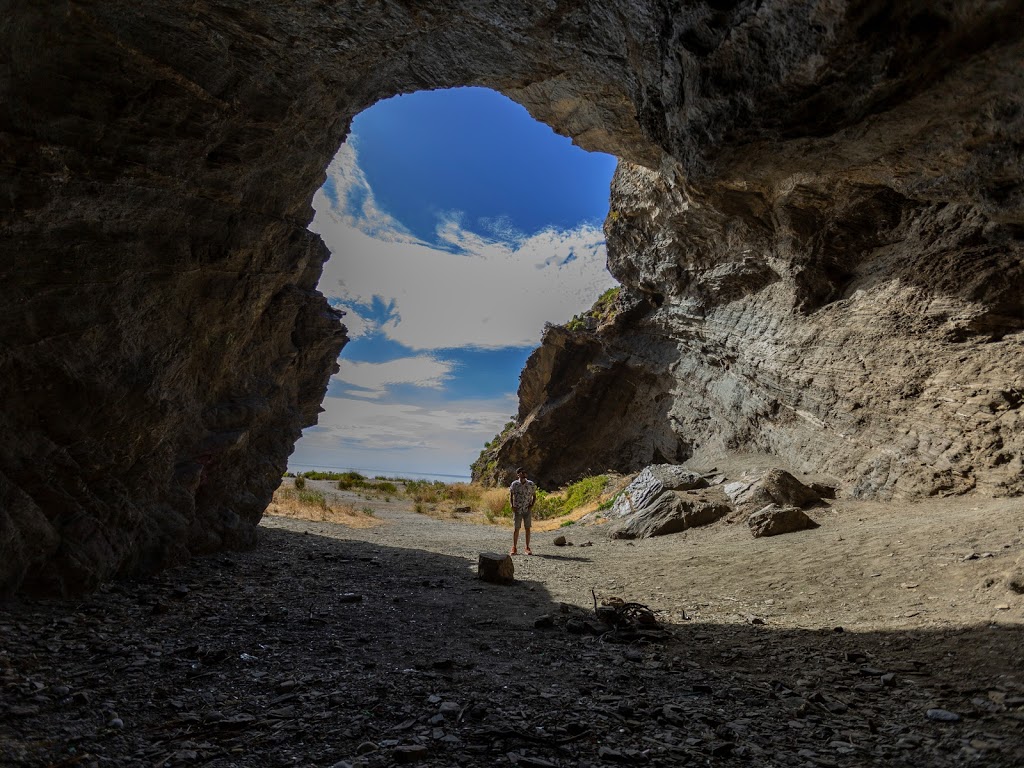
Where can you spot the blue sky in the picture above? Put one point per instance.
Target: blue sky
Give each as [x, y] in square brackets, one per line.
[458, 226]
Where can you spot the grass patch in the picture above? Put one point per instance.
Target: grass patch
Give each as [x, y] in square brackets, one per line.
[306, 504]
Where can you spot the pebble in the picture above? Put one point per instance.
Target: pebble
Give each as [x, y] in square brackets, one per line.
[942, 716]
[116, 722]
[449, 708]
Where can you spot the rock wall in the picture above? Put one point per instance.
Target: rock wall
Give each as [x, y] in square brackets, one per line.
[816, 198]
[851, 303]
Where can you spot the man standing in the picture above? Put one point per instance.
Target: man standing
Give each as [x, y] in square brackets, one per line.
[521, 495]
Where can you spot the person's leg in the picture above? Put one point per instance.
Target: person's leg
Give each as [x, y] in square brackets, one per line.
[528, 550]
[515, 532]
[527, 523]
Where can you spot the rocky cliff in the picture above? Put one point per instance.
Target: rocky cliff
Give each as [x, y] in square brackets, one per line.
[818, 219]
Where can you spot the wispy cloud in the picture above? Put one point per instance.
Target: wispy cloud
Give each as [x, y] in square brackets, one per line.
[375, 378]
[466, 289]
[361, 433]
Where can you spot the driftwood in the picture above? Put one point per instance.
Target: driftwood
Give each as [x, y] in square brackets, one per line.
[627, 622]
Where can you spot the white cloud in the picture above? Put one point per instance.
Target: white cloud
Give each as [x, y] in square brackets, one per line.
[380, 436]
[420, 371]
[481, 292]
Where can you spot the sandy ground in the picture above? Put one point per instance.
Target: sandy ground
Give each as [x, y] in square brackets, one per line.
[891, 635]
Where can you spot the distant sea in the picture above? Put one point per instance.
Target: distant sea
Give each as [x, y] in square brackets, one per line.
[390, 473]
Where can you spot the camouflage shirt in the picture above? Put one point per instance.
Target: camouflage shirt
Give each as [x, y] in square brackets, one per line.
[522, 494]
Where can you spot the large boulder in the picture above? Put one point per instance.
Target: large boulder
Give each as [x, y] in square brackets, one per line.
[776, 486]
[650, 484]
[670, 512]
[774, 520]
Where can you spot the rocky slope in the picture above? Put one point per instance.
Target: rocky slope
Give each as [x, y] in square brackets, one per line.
[819, 217]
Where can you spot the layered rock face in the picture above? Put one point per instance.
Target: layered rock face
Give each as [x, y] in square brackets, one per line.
[818, 219]
[850, 300]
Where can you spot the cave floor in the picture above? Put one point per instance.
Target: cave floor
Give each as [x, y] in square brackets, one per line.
[891, 635]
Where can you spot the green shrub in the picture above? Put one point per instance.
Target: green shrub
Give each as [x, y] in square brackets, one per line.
[312, 498]
[386, 486]
[300, 482]
[348, 480]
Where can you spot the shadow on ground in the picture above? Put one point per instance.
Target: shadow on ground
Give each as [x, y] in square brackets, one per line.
[316, 651]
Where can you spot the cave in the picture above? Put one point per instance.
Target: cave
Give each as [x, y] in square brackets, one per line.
[818, 223]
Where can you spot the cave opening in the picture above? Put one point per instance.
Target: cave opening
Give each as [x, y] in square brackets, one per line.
[458, 227]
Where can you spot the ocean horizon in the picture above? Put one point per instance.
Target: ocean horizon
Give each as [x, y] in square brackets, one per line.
[385, 473]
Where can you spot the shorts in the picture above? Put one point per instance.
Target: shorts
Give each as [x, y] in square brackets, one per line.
[522, 517]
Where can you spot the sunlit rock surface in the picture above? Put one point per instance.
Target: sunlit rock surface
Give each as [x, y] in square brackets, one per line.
[818, 223]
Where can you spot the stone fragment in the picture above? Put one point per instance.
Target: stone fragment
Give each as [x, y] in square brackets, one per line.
[559, 541]
[942, 716]
[494, 568]
[774, 520]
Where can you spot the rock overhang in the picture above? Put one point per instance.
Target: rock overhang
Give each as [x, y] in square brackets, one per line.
[159, 164]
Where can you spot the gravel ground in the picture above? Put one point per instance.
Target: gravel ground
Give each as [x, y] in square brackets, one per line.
[891, 635]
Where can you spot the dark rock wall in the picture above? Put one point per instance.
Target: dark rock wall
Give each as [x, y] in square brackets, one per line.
[800, 175]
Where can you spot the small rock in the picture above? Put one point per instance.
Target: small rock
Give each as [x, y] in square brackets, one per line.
[942, 716]
[752, 619]
[115, 722]
[559, 541]
[25, 710]
[366, 747]
[449, 708]
[542, 622]
[350, 597]
[409, 753]
[497, 569]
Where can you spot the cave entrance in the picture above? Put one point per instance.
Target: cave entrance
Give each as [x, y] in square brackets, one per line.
[458, 227]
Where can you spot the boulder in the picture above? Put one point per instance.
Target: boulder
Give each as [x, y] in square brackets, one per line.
[774, 520]
[497, 569]
[776, 486]
[651, 483]
[671, 512]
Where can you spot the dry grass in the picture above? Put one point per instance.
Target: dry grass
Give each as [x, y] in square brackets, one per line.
[287, 502]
